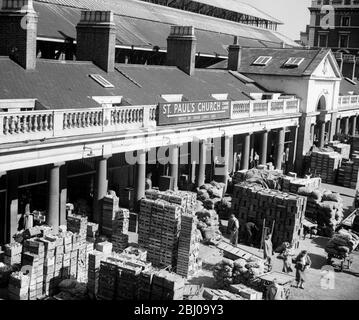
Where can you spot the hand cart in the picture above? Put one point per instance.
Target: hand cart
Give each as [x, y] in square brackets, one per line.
[283, 279]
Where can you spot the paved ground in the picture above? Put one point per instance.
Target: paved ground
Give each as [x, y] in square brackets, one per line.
[346, 283]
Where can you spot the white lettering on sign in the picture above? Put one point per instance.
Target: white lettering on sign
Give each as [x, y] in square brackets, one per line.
[185, 112]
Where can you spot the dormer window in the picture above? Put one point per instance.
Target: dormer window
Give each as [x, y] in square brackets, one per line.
[102, 81]
[262, 61]
[293, 62]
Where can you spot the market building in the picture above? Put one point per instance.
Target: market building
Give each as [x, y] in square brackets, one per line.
[107, 109]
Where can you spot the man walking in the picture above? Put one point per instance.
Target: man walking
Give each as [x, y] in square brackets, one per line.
[233, 229]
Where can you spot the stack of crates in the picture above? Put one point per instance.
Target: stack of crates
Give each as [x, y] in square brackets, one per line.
[120, 230]
[254, 203]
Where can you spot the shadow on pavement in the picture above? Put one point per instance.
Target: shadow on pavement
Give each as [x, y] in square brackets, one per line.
[317, 261]
[320, 241]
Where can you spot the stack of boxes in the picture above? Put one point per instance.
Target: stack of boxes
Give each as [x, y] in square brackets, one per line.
[127, 198]
[78, 225]
[12, 253]
[144, 285]
[18, 288]
[253, 202]
[188, 262]
[348, 173]
[107, 280]
[127, 281]
[94, 263]
[186, 200]
[35, 263]
[342, 148]
[326, 165]
[109, 209]
[120, 230]
[167, 286]
[92, 232]
[293, 184]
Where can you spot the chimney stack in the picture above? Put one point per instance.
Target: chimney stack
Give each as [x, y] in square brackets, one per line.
[181, 49]
[18, 32]
[96, 39]
[234, 55]
[339, 58]
[349, 66]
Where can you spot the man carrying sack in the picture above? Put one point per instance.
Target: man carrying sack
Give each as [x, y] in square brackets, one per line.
[233, 229]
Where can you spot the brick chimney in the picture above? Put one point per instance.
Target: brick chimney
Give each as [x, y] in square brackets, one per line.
[96, 39]
[234, 55]
[181, 49]
[349, 66]
[339, 58]
[18, 31]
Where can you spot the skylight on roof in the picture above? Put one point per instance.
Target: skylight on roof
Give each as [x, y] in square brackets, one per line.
[294, 62]
[102, 81]
[262, 61]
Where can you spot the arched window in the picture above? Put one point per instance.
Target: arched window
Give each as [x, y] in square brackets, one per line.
[322, 104]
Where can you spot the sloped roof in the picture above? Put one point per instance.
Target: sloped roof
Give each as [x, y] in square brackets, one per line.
[240, 7]
[312, 59]
[146, 25]
[63, 85]
[347, 86]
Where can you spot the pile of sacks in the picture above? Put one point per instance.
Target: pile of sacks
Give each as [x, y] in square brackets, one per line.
[324, 207]
[210, 193]
[271, 179]
[342, 243]
[241, 271]
[208, 224]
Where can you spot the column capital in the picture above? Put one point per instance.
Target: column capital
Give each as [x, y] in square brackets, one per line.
[58, 164]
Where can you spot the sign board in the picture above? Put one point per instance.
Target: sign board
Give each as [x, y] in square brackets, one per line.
[187, 112]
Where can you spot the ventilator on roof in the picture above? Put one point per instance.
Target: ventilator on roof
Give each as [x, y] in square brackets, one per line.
[102, 81]
[294, 62]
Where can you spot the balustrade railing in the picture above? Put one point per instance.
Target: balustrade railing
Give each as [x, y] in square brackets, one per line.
[253, 108]
[348, 102]
[46, 124]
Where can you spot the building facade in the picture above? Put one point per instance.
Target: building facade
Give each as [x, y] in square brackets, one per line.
[72, 130]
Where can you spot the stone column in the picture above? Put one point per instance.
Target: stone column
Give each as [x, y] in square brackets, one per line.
[141, 176]
[322, 125]
[264, 148]
[174, 153]
[100, 189]
[202, 164]
[354, 126]
[53, 216]
[227, 156]
[293, 148]
[338, 129]
[280, 148]
[12, 210]
[246, 152]
[63, 194]
[346, 126]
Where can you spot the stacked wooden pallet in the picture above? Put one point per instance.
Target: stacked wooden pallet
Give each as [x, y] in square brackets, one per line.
[188, 261]
[167, 286]
[158, 232]
[253, 202]
[120, 230]
[326, 164]
[348, 173]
